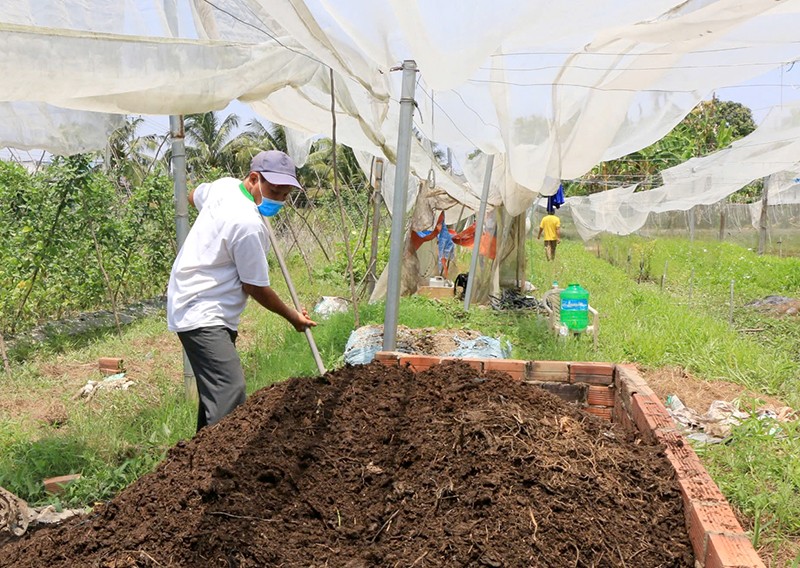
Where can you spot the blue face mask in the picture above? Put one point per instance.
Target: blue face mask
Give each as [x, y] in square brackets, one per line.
[269, 207]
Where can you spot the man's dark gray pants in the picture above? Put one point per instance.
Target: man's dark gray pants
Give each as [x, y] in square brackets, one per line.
[217, 371]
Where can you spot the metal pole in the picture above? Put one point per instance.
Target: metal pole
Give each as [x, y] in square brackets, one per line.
[476, 245]
[285, 271]
[181, 221]
[399, 204]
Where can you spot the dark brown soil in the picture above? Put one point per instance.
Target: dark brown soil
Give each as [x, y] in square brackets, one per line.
[374, 466]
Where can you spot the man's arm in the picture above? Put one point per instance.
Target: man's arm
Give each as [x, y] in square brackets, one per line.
[267, 297]
[539, 236]
[558, 233]
[191, 199]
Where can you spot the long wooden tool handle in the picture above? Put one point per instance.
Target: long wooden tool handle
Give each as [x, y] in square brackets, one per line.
[274, 243]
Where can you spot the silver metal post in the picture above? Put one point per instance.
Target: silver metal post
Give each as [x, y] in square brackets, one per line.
[476, 246]
[399, 205]
[181, 221]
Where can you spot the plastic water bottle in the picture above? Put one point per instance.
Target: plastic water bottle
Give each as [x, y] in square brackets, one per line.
[575, 307]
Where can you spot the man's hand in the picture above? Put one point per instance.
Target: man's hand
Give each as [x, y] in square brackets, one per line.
[302, 322]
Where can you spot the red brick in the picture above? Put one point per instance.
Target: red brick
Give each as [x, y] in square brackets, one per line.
[56, 485]
[705, 518]
[600, 396]
[473, 362]
[601, 411]
[695, 482]
[419, 363]
[620, 416]
[111, 365]
[650, 415]
[592, 379]
[591, 368]
[629, 379]
[549, 371]
[516, 368]
[388, 358]
[731, 551]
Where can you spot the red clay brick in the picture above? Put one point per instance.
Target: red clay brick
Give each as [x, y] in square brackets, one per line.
[705, 518]
[549, 371]
[419, 363]
[600, 396]
[606, 380]
[650, 415]
[628, 383]
[601, 411]
[516, 368]
[631, 381]
[473, 362]
[111, 365]
[591, 368]
[695, 482]
[57, 485]
[731, 551]
[621, 416]
[388, 358]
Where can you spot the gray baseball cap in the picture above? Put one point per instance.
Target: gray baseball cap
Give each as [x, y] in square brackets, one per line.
[276, 167]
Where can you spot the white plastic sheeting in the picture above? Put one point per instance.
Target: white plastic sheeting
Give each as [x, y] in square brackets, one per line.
[553, 88]
[773, 147]
[29, 126]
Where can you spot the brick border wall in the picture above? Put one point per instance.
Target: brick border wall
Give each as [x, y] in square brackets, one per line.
[619, 393]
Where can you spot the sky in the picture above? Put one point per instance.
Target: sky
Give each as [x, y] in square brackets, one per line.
[762, 93]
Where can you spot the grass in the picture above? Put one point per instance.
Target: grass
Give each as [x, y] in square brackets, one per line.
[122, 435]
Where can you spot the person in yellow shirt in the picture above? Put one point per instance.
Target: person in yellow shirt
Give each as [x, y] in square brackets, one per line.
[551, 227]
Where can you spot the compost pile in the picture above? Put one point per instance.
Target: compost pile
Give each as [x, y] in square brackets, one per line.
[374, 466]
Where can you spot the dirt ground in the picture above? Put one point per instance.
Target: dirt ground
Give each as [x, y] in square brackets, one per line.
[373, 466]
[698, 394]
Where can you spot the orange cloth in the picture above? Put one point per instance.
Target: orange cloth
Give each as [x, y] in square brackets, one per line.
[465, 238]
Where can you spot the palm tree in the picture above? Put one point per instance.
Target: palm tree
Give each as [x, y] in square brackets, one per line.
[253, 140]
[131, 157]
[210, 143]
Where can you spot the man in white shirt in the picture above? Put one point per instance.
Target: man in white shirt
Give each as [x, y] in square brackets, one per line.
[222, 262]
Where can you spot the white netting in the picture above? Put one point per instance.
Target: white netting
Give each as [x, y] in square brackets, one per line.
[552, 90]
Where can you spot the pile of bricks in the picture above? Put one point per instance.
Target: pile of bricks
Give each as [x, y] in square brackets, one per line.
[619, 393]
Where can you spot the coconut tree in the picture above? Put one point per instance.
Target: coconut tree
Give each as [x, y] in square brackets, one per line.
[130, 157]
[256, 138]
[210, 142]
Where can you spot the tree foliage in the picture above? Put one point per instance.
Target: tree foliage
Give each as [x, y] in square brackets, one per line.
[75, 240]
[711, 126]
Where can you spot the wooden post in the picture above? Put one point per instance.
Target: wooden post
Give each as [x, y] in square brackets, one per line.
[377, 200]
[762, 224]
[6, 364]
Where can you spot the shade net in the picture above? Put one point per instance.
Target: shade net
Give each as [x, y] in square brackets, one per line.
[550, 90]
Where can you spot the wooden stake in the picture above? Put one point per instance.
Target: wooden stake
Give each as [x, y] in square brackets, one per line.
[6, 364]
